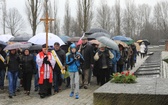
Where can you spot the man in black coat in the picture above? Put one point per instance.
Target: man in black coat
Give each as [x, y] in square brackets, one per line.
[2, 67]
[57, 70]
[86, 50]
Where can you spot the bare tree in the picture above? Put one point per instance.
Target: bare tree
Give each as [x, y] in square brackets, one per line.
[67, 19]
[75, 30]
[161, 16]
[84, 15]
[118, 17]
[129, 24]
[33, 12]
[142, 18]
[104, 16]
[14, 21]
[3, 5]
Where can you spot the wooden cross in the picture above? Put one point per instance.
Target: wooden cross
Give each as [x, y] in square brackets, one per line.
[46, 20]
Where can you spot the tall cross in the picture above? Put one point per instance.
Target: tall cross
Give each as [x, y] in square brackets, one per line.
[46, 20]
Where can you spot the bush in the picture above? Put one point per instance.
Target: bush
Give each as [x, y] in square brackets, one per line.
[123, 77]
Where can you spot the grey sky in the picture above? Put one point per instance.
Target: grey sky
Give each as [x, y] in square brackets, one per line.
[20, 4]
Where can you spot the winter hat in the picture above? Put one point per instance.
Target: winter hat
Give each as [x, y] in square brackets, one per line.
[101, 45]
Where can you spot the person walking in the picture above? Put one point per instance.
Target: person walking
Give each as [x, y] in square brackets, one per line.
[13, 63]
[2, 67]
[59, 57]
[45, 62]
[28, 68]
[142, 49]
[121, 61]
[103, 57]
[115, 60]
[73, 60]
[86, 50]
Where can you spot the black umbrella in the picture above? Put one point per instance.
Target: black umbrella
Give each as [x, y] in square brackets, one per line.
[18, 45]
[3, 44]
[64, 38]
[20, 39]
[73, 39]
[36, 47]
[96, 35]
[95, 30]
[146, 41]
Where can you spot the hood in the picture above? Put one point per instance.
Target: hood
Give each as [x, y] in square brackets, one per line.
[72, 46]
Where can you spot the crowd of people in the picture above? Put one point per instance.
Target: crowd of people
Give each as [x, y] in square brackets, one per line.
[80, 63]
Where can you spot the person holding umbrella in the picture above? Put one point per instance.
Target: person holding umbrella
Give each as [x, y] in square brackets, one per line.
[13, 63]
[142, 49]
[45, 62]
[102, 58]
[2, 67]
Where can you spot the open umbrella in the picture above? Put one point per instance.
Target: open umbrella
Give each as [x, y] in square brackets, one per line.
[146, 41]
[121, 38]
[18, 46]
[37, 47]
[64, 38]
[41, 39]
[73, 39]
[94, 42]
[6, 37]
[98, 34]
[121, 43]
[108, 42]
[95, 30]
[137, 46]
[23, 38]
[129, 41]
[3, 44]
[139, 41]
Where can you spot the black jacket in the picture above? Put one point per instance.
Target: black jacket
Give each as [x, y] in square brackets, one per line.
[62, 57]
[87, 53]
[28, 64]
[14, 62]
[99, 63]
[2, 64]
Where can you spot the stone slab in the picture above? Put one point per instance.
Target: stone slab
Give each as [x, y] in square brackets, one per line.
[143, 72]
[149, 76]
[147, 91]
[150, 66]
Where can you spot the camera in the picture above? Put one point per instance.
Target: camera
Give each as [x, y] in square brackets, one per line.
[77, 56]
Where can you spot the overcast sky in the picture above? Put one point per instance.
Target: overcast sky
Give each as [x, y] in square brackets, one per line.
[20, 4]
